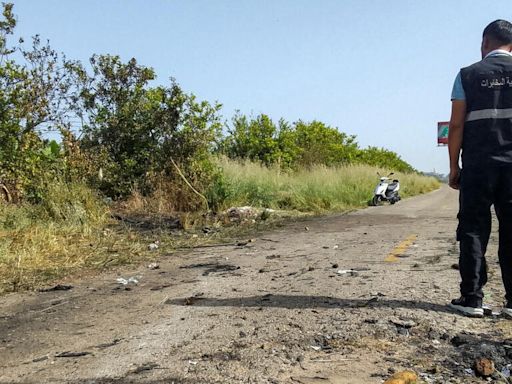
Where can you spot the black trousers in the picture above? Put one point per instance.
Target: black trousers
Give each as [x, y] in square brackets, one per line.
[481, 187]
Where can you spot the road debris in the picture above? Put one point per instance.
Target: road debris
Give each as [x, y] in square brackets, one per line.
[403, 323]
[131, 280]
[145, 367]
[404, 377]
[39, 359]
[310, 380]
[153, 246]
[351, 272]
[108, 345]
[153, 266]
[245, 242]
[72, 354]
[484, 367]
[58, 287]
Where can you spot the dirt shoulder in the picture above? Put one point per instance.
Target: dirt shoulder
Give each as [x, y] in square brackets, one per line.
[339, 299]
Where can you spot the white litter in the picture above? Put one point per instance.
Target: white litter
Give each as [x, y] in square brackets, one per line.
[351, 272]
[131, 280]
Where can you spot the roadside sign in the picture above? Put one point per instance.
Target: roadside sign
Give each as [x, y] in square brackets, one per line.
[442, 133]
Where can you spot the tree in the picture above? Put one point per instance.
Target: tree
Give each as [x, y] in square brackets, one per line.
[255, 139]
[321, 144]
[140, 130]
[384, 158]
[34, 97]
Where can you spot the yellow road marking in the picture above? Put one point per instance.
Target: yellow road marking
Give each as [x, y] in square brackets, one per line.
[401, 248]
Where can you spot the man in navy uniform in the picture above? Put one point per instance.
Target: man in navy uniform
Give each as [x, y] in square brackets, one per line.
[481, 127]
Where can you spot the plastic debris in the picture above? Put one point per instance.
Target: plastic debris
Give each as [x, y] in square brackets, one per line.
[351, 272]
[130, 280]
[153, 246]
[154, 266]
[505, 371]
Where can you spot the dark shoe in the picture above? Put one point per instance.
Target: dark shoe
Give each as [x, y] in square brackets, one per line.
[468, 306]
[507, 311]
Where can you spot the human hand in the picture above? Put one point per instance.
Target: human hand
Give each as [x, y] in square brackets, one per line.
[454, 178]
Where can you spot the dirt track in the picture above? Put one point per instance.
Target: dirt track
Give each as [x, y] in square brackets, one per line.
[273, 311]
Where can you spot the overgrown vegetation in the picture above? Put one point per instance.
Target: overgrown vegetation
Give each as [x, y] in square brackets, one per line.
[75, 136]
[316, 189]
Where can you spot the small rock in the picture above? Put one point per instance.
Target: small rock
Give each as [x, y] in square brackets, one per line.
[154, 266]
[404, 377]
[455, 266]
[484, 367]
[403, 323]
[306, 229]
[335, 265]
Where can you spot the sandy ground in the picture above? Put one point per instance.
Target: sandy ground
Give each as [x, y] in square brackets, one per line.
[340, 299]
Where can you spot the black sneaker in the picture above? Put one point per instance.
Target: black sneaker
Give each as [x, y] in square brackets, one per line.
[468, 306]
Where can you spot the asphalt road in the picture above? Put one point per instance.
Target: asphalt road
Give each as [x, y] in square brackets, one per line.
[340, 299]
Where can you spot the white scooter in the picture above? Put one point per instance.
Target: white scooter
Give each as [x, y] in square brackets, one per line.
[386, 190]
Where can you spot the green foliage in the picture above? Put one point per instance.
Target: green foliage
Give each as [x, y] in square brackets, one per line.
[300, 144]
[34, 97]
[321, 144]
[140, 129]
[381, 157]
[255, 139]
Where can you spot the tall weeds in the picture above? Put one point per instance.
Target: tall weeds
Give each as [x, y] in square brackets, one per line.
[318, 189]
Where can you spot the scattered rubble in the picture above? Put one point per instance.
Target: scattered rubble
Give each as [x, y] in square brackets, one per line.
[58, 287]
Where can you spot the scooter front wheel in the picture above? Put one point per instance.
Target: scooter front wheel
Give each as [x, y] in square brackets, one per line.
[375, 200]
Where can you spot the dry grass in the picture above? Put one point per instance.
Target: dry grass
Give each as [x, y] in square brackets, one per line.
[69, 231]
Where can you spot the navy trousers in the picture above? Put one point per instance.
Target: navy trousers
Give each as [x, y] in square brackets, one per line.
[481, 187]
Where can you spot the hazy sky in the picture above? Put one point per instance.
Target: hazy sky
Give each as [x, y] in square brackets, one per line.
[381, 70]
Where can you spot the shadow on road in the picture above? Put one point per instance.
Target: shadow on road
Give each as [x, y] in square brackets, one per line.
[304, 302]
